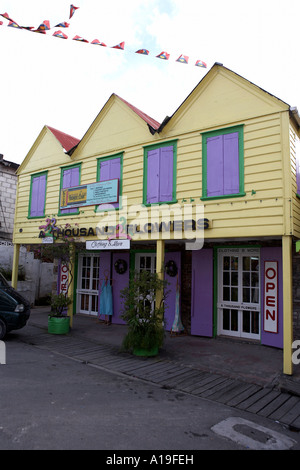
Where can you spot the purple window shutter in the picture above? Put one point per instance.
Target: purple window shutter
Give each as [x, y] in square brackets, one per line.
[166, 174]
[231, 163]
[105, 170]
[70, 179]
[38, 188]
[153, 176]
[215, 166]
[110, 170]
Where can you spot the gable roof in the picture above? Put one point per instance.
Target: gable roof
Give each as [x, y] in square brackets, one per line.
[293, 111]
[66, 140]
[151, 122]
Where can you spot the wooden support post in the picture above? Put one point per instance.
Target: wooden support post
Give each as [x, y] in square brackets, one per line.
[287, 304]
[160, 258]
[15, 266]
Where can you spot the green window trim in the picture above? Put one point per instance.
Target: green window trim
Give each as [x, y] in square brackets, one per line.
[148, 148]
[63, 168]
[228, 130]
[41, 173]
[111, 157]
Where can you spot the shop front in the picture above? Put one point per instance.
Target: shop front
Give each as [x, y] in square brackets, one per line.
[237, 292]
[94, 269]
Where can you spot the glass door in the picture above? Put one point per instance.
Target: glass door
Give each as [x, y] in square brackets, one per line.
[239, 292]
[88, 284]
[146, 262]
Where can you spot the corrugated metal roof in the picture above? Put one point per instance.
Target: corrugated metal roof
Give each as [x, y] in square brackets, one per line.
[154, 124]
[66, 140]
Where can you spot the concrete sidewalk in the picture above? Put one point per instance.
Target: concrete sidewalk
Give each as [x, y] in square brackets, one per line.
[248, 361]
[244, 375]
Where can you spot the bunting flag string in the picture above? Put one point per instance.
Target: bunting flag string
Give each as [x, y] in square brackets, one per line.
[45, 26]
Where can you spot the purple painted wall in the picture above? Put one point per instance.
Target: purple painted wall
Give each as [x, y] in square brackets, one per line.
[202, 293]
[272, 339]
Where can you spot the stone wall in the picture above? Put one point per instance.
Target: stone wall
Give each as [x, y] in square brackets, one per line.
[8, 185]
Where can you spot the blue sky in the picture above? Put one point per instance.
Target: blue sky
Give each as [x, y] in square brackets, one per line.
[65, 83]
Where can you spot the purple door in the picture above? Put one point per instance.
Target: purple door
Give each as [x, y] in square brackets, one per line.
[202, 293]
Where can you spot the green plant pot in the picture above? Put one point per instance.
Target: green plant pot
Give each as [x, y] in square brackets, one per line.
[146, 352]
[58, 325]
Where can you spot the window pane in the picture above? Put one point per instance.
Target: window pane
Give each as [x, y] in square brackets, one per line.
[226, 263]
[226, 280]
[254, 264]
[246, 322]
[226, 293]
[234, 294]
[246, 295]
[246, 279]
[255, 323]
[226, 319]
[246, 263]
[234, 278]
[234, 263]
[234, 320]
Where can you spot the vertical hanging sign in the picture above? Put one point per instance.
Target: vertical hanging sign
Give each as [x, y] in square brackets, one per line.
[271, 297]
[63, 279]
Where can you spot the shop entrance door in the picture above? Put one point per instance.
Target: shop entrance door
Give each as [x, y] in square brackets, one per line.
[239, 292]
[146, 262]
[88, 283]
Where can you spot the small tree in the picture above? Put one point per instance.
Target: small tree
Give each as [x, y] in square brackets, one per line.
[61, 249]
[143, 317]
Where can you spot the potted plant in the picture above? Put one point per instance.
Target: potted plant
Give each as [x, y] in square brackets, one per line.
[58, 322]
[143, 316]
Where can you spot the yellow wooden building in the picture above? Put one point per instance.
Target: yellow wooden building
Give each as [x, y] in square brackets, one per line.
[208, 198]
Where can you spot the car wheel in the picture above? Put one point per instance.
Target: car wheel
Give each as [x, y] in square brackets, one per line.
[2, 329]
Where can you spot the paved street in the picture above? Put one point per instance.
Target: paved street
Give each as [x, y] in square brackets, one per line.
[50, 401]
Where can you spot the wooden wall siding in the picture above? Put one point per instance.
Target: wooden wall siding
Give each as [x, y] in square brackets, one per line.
[295, 199]
[261, 212]
[256, 214]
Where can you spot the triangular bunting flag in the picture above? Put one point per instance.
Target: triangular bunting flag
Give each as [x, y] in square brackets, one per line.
[45, 26]
[62, 25]
[142, 51]
[78, 38]
[183, 59]
[200, 63]
[119, 46]
[72, 10]
[60, 34]
[14, 25]
[96, 41]
[163, 55]
[6, 15]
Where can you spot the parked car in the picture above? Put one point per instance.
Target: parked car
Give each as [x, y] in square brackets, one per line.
[14, 309]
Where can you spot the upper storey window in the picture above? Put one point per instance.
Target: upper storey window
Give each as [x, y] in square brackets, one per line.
[223, 163]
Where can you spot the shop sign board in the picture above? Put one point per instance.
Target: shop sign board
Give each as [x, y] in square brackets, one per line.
[271, 297]
[63, 278]
[102, 192]
[108, 244]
